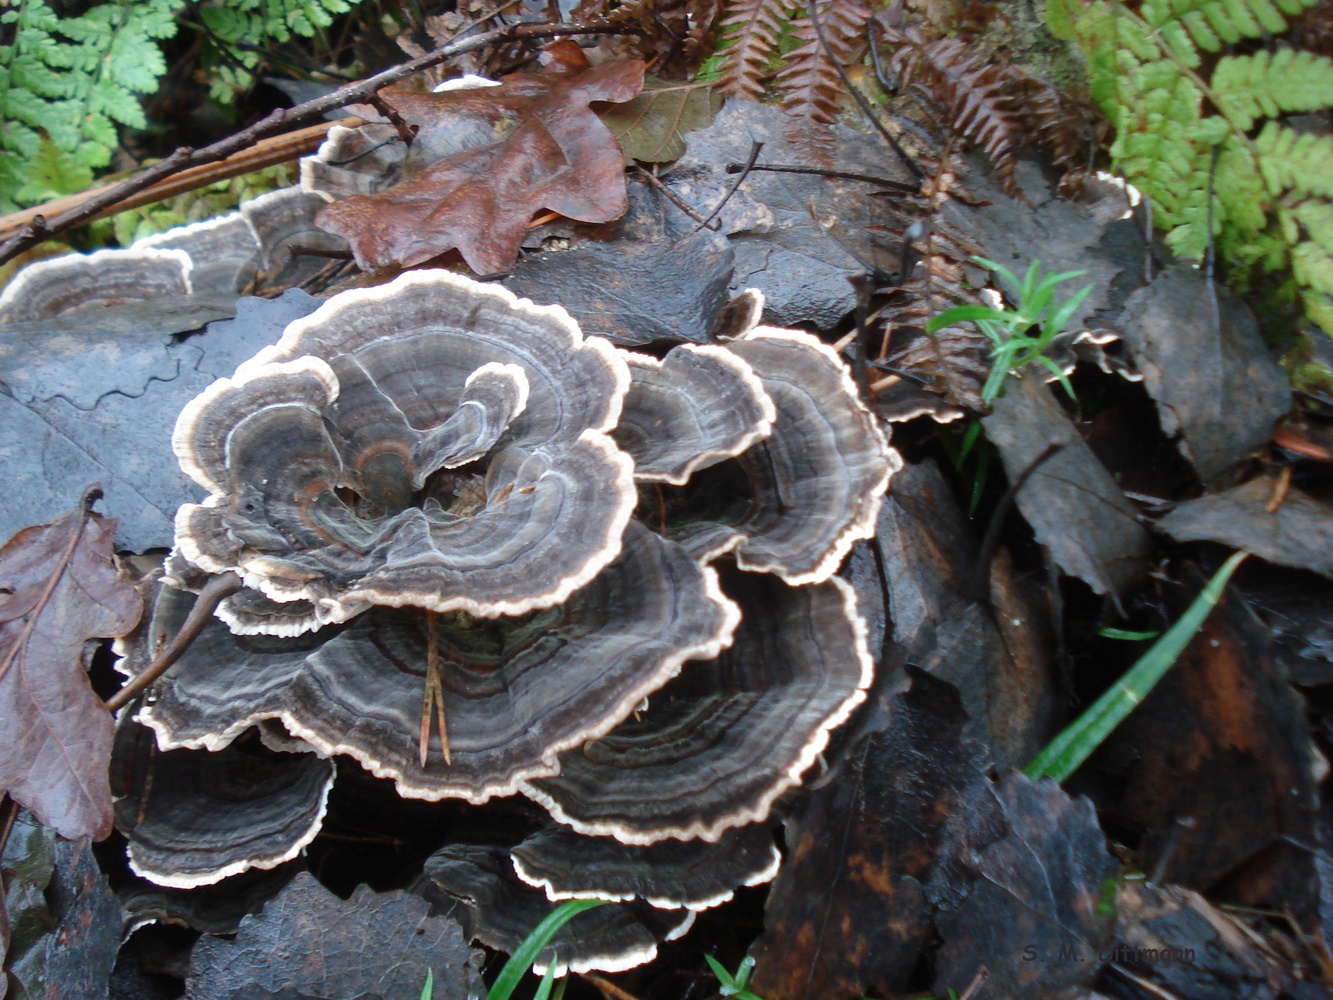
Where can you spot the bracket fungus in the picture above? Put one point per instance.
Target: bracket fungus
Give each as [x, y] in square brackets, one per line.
[605, 578]
[194, 818]
[815, 482]
[501, 911]
[517, 692]
[670, 874]
[313, 450]
[718, 746]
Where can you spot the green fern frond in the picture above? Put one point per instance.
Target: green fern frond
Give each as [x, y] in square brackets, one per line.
[52, 173]
[1210, 24]
[1184, 137]
[1299, 161]
[69, 81]
[1266, 84]
[239, 30]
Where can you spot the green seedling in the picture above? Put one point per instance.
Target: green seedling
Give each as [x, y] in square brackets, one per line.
[733, 985]
[1063, 756]
[1014, 344]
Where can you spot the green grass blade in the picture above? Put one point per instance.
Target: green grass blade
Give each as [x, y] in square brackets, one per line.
[1029, 283]
[719, 970]
[959, 314]
[521, 960]
[1060, 318]
[1127, 635]
[428, 991]
[1002, 271]
[1072, 747]
[1055, 279]
[544, 987]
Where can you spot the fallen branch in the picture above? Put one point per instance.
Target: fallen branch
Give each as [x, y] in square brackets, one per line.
[265, 153]
[99, 202]
[209, 598]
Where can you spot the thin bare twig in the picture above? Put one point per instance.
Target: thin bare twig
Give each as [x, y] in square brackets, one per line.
[755, 147]
[676, 199]
[41, 228]
[406, 132]
[860, 98]
[991, 540]
[786, 168]
[265, 153]
[209, 598]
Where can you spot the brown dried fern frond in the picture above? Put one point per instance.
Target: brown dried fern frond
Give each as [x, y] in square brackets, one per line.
[752, 28]
[812, 88]
[1069, 130]
[950, 73]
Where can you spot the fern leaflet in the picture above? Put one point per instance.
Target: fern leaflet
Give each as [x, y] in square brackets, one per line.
[69, 81]
[1184, 138]
[238, 30]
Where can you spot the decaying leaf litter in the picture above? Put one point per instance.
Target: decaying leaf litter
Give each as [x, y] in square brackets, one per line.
[1187, 857]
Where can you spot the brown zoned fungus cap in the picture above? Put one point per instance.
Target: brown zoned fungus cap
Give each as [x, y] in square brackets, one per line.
[432, 442]
[194, 818]
[517, 691]
[816, 481]
[76, 284]
[362, 160]
[670, 874]
[716, 747]
[502, 911]
[694, 408]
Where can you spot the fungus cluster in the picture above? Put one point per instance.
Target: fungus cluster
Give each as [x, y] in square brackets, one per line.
[485, 555]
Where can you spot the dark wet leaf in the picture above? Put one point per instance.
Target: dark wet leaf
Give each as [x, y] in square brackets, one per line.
[1216, 768]
[28, 863]
[1211, 375]
[81, 951]
[1298, 609]
[66, 921]
[1298, 534]
[555, 154]
[944, 625]
[1074, 506]
[651, 127]
[309, 942]
[636, 281]
[797, 237]
[60, 589]
[1086, 235]
[1177, 943]
[1036, 917]
[104, 409]
[1023, 691]
[848, 913]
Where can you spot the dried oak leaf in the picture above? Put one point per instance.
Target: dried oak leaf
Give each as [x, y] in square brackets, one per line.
[58, 589]
[558, 157]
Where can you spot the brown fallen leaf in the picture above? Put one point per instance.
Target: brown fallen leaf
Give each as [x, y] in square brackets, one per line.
[1218, 771]
[552, 153]
[58, 589]
[651, 128]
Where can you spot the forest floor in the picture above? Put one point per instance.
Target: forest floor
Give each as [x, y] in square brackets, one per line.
[1045, 530]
